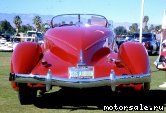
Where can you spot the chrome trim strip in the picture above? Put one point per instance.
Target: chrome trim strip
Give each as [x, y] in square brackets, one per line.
[81, 62]
[50, 80]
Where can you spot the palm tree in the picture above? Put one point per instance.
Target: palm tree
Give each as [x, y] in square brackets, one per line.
[37, 21]
[145, 20]
[17, 21]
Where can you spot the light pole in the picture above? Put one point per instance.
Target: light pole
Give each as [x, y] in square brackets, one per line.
[141, 20]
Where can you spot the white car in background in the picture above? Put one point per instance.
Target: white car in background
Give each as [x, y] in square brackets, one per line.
[29, 36]
[3, 40]
[7, 46]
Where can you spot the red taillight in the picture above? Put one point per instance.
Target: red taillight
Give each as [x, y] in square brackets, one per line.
[147, 44]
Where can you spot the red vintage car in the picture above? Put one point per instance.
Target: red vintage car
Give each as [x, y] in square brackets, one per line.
[79, 51]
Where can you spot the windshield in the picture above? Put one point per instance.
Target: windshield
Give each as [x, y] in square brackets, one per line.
[78, 20]
[32, 34]
[145, 37]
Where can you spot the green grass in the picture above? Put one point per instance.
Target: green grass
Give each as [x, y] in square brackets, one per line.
[9, 101]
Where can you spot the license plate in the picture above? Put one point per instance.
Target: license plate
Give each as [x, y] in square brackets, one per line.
[81, 72]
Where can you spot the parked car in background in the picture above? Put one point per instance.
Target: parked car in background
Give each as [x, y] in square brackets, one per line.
[149, 41]
[79, 52]
[5, 45]
[2, 40]
[121, 39]
[6, 35]
[30, 36]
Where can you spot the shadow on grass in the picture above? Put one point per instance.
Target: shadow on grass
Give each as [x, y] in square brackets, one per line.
[82, 99]
[155, 71]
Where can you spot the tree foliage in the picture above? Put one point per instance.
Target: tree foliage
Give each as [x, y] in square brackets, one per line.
[120, 30]
[134, 28]
[44, 27]
[17, 21]
[38, 22]
[157, 28]
[25, 28]
[145, 20]
[152, 28]
[146, 29]
[145, 24]
[5, 26]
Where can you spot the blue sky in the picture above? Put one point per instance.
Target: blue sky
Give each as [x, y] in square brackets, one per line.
[116, 10]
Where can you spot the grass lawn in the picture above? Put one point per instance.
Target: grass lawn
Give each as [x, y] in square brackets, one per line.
[9, 101]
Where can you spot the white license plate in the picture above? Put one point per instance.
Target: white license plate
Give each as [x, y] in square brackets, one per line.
[81, 72]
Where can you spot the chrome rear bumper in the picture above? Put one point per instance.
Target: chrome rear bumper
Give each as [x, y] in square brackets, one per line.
[49, 80]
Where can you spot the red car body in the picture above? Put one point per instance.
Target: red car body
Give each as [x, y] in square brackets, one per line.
[78, 55]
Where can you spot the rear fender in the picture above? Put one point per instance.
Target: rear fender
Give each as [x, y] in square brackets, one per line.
[25, 56]
[135, 57]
